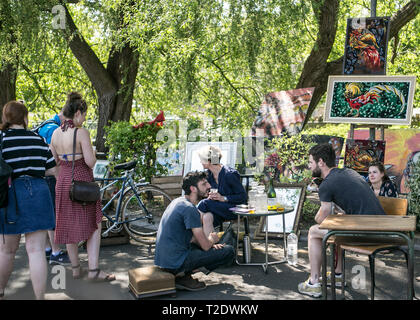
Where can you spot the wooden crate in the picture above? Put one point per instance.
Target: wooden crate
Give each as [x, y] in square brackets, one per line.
[172, 185]
[121, 237]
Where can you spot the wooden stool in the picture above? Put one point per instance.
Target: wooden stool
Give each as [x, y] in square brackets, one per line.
[150, 281]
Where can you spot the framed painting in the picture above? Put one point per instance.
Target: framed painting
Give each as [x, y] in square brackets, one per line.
[100, 170]
[290, 195]
[402, 150]
[283, 111]
[366, 45]
[375, 100]
[359, 153]
[192, 160]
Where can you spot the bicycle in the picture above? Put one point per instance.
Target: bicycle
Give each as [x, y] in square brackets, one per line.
[139, 205]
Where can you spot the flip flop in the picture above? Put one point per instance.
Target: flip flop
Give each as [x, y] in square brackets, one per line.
[108, 278]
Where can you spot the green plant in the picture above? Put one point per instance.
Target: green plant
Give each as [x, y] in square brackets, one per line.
[127, 142]
[414, 194]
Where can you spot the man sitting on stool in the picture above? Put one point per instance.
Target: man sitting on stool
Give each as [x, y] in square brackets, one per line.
[181, 245]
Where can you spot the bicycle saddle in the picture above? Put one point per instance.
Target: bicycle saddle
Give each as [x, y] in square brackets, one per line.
[126, 165]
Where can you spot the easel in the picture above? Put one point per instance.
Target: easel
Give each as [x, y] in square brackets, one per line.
[372, 127]
[372, 130]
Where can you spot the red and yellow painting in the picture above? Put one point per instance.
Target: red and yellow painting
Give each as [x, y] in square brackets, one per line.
[360, 153]
[283, 112]
[402, 149]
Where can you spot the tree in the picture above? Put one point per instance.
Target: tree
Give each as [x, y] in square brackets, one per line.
[317, 68]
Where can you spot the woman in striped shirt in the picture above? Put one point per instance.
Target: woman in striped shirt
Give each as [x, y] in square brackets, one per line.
[30, 207]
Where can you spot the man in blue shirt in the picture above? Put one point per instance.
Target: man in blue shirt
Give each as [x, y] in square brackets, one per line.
[46, 130]
[181, 245]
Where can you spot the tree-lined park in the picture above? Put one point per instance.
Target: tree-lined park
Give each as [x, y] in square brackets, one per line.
[212, 58]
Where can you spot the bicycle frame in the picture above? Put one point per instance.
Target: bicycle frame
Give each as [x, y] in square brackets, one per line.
[128, 182]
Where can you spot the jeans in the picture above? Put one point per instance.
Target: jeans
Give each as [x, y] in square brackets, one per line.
[211, 259]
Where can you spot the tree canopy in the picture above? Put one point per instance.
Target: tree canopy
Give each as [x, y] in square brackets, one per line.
[210, 58]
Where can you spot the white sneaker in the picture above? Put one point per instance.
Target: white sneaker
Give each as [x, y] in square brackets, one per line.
[313, 290]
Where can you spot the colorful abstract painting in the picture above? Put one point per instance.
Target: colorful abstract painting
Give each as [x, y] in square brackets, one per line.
[283, 111]
[366, 46]
[402, 149]
[359, 153]
[370, 99]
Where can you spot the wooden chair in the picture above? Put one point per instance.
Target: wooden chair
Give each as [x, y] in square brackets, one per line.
[371, 246]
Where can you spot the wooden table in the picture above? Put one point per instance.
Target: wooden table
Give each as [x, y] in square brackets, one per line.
[368, 225]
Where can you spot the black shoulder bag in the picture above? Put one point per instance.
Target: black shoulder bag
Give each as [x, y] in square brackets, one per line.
[5, 176]
[82, 191]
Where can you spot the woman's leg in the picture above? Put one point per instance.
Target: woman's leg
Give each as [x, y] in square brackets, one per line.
[73, 253]
[7, 256]
[93, 246]
[35, 247]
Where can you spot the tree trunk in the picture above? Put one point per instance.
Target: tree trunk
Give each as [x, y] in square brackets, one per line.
[113, 85]
[316, 69]
[7, 85]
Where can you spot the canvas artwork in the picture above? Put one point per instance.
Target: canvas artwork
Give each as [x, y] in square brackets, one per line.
[359, 153]
[283, 111]
[289, 195]
[172, 160]
[366, 44]
[370, 99]
[336, 142]
[193, 162]
[402, 149]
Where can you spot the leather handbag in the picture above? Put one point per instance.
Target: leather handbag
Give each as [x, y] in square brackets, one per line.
[83, 192]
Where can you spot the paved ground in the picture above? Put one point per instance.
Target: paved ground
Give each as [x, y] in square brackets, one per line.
[233, 283]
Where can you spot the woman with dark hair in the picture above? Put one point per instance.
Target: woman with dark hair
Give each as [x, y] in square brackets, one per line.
[30, 208]
[379, 181]
[76, 222]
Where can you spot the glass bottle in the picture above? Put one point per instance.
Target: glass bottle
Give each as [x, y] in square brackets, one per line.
[252, 195]
[271, 195]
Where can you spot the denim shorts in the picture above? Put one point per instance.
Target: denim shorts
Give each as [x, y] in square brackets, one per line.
[30, 207]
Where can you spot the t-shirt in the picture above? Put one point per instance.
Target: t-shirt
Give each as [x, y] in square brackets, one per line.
[27, 153]
[346, 188]
[47, 130]
[174, 235]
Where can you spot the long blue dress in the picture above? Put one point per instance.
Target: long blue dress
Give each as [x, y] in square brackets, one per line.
[231, 187]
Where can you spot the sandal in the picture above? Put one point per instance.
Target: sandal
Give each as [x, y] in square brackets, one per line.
[108, 278]
[81, 272]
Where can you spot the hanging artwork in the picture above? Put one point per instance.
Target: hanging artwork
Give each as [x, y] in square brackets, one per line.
[359, 153]
[370, 99]
[283, 111]
[366, 46]
[402, 149]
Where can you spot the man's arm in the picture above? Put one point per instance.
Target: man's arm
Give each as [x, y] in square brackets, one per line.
[323, 212]
[201, 239]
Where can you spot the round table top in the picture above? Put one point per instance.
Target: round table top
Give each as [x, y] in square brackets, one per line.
[244, 212]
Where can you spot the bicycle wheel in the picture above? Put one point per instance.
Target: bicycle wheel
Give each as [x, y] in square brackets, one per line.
[155, 200]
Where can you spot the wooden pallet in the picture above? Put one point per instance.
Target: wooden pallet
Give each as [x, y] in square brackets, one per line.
[121, 237]
[172, 185]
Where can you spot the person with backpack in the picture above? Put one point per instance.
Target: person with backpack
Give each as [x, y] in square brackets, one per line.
[46, 130]
[29, 209]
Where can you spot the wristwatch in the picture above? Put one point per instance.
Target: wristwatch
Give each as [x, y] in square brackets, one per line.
[225, 199]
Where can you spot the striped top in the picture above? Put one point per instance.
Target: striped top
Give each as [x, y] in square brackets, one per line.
[27, 153]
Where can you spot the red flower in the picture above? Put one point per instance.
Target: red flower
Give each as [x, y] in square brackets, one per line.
[158, 121]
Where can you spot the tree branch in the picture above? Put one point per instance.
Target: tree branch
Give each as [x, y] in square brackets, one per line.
[98, 75]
